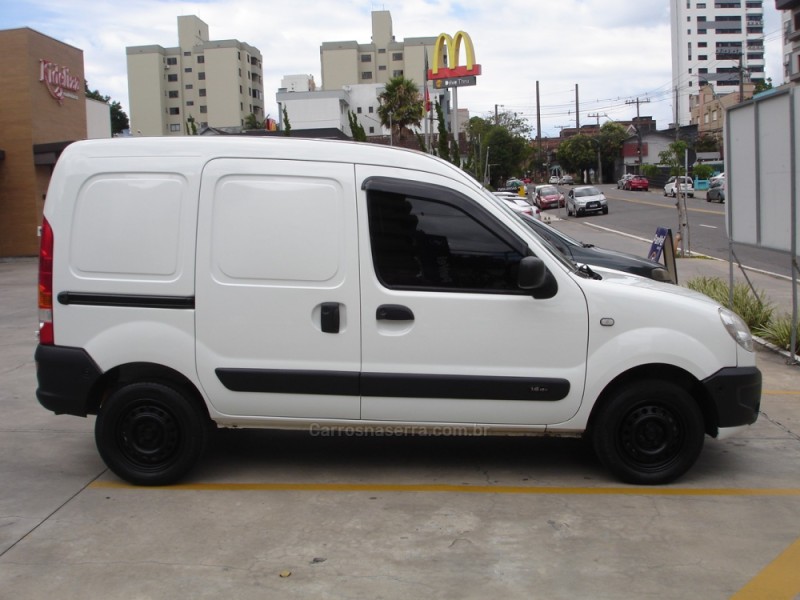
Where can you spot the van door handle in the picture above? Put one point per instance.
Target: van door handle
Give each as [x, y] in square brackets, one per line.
[393, 312]
[329, 317]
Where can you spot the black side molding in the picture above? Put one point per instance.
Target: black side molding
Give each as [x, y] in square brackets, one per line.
[129, 300]
[398, 385]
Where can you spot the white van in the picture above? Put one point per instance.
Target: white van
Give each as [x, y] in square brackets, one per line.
[300, 284]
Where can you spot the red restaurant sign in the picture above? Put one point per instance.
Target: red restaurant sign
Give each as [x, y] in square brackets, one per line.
[58, 80]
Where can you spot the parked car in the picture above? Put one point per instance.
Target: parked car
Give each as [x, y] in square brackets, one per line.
[586, 199]
[547, 196]
[598, 257]
[514, 183]
[637, 182]
[519, 204]
[621, 182]
[716, 192]
[686, 186]
[717, 177]
[555, 179]
[566, 180]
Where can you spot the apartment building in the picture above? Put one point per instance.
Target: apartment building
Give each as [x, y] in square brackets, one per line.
[791, 39]
[200, 83]
[352, 63]
[714, 42]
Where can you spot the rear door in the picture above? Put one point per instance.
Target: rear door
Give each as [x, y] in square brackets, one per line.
[447, 335]
[277, 303]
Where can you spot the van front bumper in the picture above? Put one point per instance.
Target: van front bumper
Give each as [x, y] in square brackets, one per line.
[736, 394]
[65, 376]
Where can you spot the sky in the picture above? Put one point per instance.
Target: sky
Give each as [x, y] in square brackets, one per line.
[615, 51]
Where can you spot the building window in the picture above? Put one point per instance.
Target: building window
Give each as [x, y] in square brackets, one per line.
[358, 110]
[381, 67]
[171, 60]
[172, 77]
[365, 58]
[202, 92]
[702, 44]
[366, 75]
[201, 76]
[190, 103]
[187, 53]
[702, 57]
[397, 56]
[187, 69]
[174, 110]
[372, 130]
[203, 109]
[398, 73]
[175, 127]
[200, 59]
[382, 51]
[701, 5]
[371, 109]
[188, 86]
[173, 93]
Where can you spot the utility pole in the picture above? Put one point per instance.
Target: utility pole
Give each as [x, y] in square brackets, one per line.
[538, 120]
[577, 111]
[639, 131]
[599, 161]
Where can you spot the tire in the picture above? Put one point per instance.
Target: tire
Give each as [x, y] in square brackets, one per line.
[650, 433]
[605, 210]
[150, 434]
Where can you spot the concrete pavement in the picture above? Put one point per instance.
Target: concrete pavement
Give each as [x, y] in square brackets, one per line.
[288, 515]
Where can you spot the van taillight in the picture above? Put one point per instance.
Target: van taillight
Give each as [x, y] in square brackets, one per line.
[46, 285]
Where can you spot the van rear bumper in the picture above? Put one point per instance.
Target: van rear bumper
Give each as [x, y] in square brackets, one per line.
[65, 376]
[736, 393]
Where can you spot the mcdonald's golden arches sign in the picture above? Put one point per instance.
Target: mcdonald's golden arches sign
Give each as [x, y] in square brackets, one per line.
[445, 57]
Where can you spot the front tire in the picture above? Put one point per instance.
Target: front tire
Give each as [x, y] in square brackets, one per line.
[150, 434]
[651, 432]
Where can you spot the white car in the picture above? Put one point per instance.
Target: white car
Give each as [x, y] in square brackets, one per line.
[686, 186]
[519, 204]
[554, 179]
[586, 199]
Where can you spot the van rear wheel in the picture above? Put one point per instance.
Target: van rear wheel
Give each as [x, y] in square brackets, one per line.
[650, 433]
[150, 434]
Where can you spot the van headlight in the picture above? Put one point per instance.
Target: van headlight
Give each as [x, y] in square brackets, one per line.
[737, 328]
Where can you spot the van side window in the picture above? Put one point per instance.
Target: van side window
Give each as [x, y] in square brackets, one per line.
[423, 243]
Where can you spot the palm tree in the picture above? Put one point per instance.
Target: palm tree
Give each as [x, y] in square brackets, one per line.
[401, 105]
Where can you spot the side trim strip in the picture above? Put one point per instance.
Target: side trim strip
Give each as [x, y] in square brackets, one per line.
[129, 300]
[396, 385]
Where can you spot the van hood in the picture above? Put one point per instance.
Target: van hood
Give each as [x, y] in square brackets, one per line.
[618, 278]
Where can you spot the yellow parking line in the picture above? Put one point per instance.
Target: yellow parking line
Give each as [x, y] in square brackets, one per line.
[781, 392]
[460, 489]
[779, 579]
[663, 205]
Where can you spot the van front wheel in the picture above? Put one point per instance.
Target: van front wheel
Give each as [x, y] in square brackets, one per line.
[149, 433]
[651, 432]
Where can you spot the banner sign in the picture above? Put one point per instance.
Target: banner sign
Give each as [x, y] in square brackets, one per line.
[454, 82]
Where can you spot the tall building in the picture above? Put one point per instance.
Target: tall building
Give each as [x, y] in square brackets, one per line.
[199, 83]
[351, 63]
[791, 39]
[716, 42]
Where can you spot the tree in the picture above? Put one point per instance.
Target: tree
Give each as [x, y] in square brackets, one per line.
[506, 153]
[706, 143]
[191, 126]
[356, 128]
[674, 158]
[577, 153]
[443, 147]
[763, 86]
[287, 126]
[401, 106]
[119, 120]
[612, 137]
[251, 122]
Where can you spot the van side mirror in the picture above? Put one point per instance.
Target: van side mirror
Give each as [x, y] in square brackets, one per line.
[534, 277]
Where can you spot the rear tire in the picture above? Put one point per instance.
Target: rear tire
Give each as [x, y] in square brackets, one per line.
[651, 432]
[150, 434]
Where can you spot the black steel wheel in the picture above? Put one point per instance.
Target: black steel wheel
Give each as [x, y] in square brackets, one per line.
[150, 433]
[651, 432]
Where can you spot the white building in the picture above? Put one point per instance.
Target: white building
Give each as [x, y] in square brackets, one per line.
[791, 39]
[716, 42]
[201, 82]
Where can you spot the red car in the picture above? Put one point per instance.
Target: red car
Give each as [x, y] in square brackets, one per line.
[548, 196]
[637, 182]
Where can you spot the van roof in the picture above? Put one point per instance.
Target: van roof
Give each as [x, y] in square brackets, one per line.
[207, 148]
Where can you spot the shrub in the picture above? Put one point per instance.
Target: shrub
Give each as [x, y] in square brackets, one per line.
[754, 309]
[779, 332]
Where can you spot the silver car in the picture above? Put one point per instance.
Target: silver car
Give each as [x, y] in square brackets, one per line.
[586, 199]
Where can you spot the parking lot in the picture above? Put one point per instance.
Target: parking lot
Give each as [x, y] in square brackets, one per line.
[307, 515]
